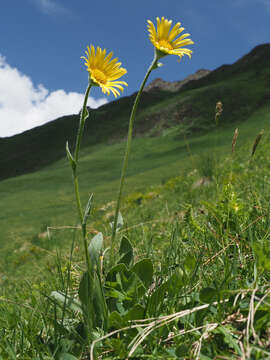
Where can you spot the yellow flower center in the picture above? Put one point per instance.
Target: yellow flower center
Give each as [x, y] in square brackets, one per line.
[99, 76]
[165, 44]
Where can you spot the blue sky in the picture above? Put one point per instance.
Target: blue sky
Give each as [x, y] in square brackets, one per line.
[41, 73]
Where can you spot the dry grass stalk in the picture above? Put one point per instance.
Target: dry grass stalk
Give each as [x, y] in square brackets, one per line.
[234, 239]
[236, 132]
[256, 142]
[219, 109]
[164, 320]
[205, 335]
[150, 325]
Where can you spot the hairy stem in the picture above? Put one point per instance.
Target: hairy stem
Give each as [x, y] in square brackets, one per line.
[128, 147]
[83, 117]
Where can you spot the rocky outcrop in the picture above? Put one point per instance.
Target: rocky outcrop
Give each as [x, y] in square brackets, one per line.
[159, 84]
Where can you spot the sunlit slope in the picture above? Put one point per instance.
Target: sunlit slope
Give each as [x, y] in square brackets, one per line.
[46, 197]
[243, 87]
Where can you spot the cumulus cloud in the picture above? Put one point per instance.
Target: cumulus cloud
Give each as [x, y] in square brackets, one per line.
[24, 106]
[266, 3]
[49, 6]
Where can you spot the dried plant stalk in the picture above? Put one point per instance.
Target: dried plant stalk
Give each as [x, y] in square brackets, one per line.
[219, 110]
[256, 142]
[235, 136]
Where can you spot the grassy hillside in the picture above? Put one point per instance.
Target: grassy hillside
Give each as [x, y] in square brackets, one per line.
[243, 87]
[189, 275]
[207, 294]
[165, 124]
[31, 202]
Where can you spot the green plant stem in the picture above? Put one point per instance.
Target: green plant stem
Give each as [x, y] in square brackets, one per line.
[128, 147]
[83, 117]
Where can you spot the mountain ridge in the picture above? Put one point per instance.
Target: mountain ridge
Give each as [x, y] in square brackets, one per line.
[160, 84]
[243, 87]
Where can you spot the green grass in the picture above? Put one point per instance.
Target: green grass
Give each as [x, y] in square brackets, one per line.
[189, 276]
[208, 244]
[243, 88]
[32, 201]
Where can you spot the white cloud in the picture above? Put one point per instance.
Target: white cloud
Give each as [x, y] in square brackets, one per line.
[50, 7]
[266, 3]
[47, 5]
[24, 106]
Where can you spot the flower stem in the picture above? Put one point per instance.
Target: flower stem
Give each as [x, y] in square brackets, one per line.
[83, 117]
[128, 147]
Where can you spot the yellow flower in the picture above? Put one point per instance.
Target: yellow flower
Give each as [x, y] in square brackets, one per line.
[165, 40]
[103, 71]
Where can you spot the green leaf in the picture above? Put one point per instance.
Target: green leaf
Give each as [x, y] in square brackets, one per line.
[190, 263]
[86, 291]
[67, 301]
[95, 248]
[66, 356]
[123, 288]
[120, 222]
[135, 313]
[182, 351]
[85, 113]
[125, 251]
[229, 338]
[144, 270]
[93, 300]
[70, 157]
[156, 298]
[115, 320]
[87, 209]
[99, 305]
[172, 286]
[262, 255]
[204, 357]
[208, 295]
[111, 276]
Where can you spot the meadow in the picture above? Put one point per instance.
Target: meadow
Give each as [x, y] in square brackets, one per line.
[183, 270]
[191, 276]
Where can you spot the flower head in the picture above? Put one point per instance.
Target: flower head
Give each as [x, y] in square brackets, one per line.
[165, 39]
[103, 71]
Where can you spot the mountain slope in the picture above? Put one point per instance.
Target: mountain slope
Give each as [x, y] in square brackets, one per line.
[243, 87]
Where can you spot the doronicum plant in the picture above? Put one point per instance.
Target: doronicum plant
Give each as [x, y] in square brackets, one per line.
[103, 72]
[166, 42]
[125, 283]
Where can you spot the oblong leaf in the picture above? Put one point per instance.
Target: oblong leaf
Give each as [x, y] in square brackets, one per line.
[87, 209]
[125, 251]
[95, 248]
[111, 276]
[70, 157]
[67, 301]
[208, 295]
[135, 313]
[144, 270]
[66, 356]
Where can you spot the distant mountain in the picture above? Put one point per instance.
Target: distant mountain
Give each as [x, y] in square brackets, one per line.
[159, 84]
[243, 87]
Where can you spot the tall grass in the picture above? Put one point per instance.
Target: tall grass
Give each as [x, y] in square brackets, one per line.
[183, 274]
[206, 294]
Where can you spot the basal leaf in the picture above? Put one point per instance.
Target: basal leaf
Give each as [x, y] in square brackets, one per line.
[208, 295]
[95, 248]
[125, 251]
[66, 356]
[67, 301]
[135, 313]
[144, 270]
